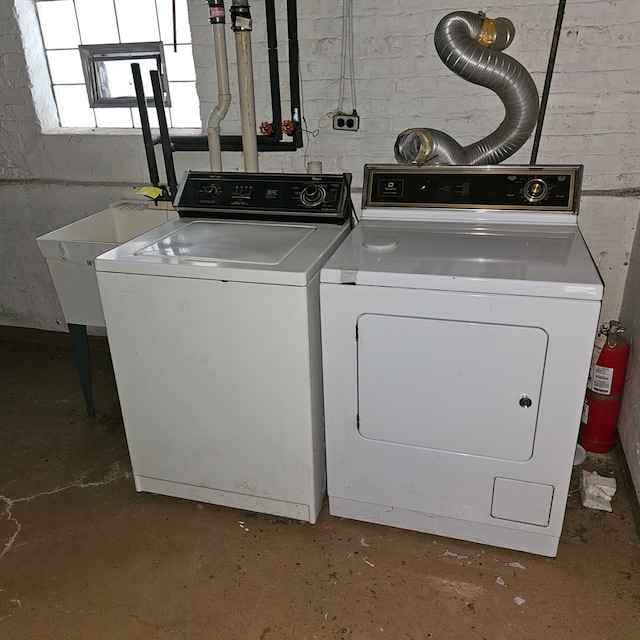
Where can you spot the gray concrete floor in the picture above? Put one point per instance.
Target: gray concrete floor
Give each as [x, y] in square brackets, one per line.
[82, 555]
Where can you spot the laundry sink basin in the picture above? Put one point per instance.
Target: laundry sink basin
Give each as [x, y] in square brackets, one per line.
[70, 253]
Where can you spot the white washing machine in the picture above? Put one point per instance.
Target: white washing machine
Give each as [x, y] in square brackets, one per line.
[214, 330]
[458, 321]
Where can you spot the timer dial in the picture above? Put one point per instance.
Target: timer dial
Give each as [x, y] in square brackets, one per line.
[313, 195]
[535, 190]
[212, 189]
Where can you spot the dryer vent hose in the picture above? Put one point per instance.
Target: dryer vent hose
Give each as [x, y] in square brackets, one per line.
[470, 45]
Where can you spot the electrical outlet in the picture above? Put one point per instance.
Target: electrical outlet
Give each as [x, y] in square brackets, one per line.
[346, 122]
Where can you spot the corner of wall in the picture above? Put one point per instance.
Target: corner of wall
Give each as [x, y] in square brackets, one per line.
[629, 422]
[43, 100]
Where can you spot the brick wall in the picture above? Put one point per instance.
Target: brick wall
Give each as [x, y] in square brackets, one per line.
[593, 111]
[592, 117]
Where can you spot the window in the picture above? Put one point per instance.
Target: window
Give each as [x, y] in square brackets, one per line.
[70, 27]
[108, 75]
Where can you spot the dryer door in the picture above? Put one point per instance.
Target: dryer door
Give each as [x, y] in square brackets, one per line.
[465, 387]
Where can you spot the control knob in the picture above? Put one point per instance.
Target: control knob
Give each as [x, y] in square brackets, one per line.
[535, 190]
[211, 188]
[313, 195]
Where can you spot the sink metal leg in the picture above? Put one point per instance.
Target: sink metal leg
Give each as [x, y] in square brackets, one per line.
[80, 346]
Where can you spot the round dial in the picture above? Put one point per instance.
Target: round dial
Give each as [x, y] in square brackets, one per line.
[313, 195]
[211, 188]
[535, 190]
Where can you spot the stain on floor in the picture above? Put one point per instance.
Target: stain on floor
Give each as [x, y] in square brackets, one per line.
[83, 556]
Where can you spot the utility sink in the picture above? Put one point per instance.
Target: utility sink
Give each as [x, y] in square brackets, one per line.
[70, 253]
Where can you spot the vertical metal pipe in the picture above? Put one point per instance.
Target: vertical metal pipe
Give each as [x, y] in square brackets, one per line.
[294, 70]
[547, 81]
[274, 71]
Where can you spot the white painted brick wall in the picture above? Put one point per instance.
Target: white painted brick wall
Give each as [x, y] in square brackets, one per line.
[593, 110]
[593, 115]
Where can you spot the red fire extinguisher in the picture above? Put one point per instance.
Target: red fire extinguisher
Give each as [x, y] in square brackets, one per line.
[604, 389]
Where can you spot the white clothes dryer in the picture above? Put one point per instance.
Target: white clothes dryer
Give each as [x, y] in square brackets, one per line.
[458, 321]
[213, 323]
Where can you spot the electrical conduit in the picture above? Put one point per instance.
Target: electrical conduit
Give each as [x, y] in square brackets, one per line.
[470, 45]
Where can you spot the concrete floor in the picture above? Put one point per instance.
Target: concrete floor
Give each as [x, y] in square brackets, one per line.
[82, 555]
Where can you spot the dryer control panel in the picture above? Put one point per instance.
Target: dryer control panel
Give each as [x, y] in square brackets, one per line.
[553, 188]
[265, 196]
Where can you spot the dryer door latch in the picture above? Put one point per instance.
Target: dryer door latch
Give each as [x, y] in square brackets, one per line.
[525, 402]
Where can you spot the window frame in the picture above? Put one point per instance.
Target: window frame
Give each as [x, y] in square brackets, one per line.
[93, 56]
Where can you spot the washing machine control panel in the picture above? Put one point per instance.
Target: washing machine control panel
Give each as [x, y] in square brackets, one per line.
[295, 197]
[554, 188]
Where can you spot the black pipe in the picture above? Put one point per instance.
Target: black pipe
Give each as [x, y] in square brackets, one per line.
[294, 70]
[274, 71]
[227, 143]
[154, 176]
[82, 356]
[165, 140]
[547, 82]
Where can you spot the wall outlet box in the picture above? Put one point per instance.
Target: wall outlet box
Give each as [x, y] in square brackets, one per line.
[346, 122]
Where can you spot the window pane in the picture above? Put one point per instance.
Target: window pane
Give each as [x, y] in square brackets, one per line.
[73, 106]
[137, 20]
[97, 20]
[180, 65]
[153, 118]
[58, 24]
[116, 78]
[185, 107]
[120, 118]
[65, 67]
[165, 16]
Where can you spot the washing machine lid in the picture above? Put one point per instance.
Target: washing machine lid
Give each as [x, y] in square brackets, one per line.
[531, 260]
[263, 252]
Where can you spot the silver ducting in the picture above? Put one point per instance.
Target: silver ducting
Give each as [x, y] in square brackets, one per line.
[470, 45]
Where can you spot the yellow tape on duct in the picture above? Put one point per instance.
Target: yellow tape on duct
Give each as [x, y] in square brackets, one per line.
[488, 33]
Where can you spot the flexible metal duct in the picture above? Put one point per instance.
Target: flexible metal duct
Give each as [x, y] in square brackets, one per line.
[470, 45]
